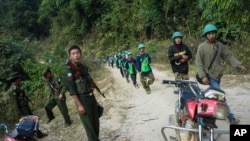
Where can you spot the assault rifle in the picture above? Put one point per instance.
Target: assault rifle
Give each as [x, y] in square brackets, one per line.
[53, 88]
[78, 74]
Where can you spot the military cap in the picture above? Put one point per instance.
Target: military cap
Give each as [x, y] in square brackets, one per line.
[14, 75]
[46, 71]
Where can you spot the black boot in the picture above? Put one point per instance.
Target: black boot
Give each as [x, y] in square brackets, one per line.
[40, 134]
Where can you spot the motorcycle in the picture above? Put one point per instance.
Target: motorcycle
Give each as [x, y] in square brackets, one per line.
[25, 130]
[196, 112]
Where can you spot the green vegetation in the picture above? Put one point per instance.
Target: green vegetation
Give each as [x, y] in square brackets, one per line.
[35, 34]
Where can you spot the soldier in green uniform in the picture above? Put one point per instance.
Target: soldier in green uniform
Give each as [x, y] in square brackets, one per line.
[80, 86]
[57, 97]
[123, 67]
[20, 100]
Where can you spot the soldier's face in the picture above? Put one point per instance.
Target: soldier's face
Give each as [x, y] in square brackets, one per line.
[49, 75]
[75, 55]
[17, 80]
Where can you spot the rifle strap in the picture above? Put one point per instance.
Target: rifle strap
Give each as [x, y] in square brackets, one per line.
[75, 68]
[78, 73]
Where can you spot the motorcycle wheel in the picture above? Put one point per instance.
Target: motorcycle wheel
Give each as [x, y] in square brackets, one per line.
[187, 135]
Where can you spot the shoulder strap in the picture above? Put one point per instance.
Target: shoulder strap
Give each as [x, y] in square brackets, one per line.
[144, 56]
[213, 58]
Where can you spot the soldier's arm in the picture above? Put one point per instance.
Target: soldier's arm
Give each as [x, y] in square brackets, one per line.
[80, 107]
[62, 86]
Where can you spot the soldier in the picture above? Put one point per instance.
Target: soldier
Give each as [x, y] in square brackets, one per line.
[130, 67]
[123, 67]
[20, 100]
[80, 86]
[143, 61]
[56, 98]
[179, 55]
[111, 61]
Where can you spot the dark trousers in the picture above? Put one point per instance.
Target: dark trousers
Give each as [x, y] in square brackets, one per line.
[90, 120]
[25, 110]
[126, 75]
[121, 70]
[62, 106]
[133, 78]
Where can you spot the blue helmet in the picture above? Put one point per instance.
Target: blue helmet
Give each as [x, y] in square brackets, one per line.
[141, 46]
[176, 34]
[209, 28]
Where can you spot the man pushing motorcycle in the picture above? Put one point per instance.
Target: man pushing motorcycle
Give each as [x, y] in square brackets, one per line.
[209, 58]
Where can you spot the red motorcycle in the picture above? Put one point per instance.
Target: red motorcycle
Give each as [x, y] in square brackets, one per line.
[196, 112]
[24, 130]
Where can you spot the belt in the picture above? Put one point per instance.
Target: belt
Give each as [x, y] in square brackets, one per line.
[88, 94]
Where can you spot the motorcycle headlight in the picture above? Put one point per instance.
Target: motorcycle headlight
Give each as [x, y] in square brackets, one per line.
[221, 111]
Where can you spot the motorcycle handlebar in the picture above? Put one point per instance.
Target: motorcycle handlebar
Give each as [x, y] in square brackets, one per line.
[178, 82]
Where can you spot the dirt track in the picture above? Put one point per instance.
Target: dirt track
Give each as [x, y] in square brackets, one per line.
[136, 116]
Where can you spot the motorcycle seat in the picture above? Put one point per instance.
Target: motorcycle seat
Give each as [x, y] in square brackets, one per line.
[214, 94]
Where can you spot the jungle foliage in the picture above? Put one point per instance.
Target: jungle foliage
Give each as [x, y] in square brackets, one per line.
[35, 34]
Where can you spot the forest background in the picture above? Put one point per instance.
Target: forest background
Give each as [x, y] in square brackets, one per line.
[35, 34]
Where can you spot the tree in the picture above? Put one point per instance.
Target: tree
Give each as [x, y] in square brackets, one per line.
[232, 17]
[74, 18]
[21, 17]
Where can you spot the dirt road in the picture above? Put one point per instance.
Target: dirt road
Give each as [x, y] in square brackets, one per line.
[135, 115]
[132, 115]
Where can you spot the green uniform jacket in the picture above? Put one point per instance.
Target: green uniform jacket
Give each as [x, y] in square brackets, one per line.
[205, 54]
[57, 83]
[79, 85]
[20, 101]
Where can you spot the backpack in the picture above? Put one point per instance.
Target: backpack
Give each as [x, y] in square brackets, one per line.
[25, 129]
